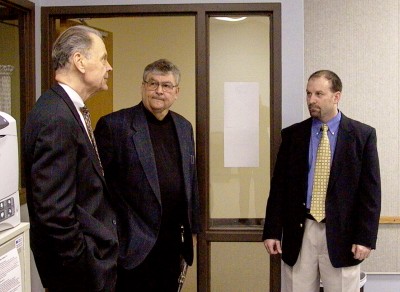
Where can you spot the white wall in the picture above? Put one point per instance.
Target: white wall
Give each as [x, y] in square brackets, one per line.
[382, 283]
[359, 40]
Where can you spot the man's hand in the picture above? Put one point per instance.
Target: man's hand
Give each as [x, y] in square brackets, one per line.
[360, 252]
[273, 246]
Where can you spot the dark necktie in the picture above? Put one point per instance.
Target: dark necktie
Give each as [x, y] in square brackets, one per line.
[86, 116]
[321, 176]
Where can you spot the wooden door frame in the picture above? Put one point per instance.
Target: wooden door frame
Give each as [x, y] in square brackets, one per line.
[26, 30]
[25, 12]
[202, 12]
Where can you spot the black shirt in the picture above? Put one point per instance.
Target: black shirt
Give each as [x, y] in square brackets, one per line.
[170, 176]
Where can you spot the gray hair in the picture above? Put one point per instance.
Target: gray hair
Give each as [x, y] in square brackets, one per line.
[336, 83]
[162, 66]
[74, 39]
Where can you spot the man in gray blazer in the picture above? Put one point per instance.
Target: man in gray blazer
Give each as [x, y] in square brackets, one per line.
[330, 249]
[73, 226]
[148, 155]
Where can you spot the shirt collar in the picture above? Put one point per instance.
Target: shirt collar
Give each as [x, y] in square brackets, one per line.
[333, 124]
[73, 95]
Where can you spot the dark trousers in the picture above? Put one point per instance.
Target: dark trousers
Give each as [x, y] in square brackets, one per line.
[159, 272]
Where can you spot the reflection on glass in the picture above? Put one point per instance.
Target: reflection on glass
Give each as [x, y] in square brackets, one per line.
[10, 69]
[239, 120]
[9, 58]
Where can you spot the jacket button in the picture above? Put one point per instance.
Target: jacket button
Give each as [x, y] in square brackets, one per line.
[114, 222]
[301, 225]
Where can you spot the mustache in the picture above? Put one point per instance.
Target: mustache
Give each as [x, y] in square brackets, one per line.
[313, 106]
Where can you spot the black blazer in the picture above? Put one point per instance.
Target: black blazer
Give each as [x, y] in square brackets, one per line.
[353, 199]
[73, 227]
[127, 156]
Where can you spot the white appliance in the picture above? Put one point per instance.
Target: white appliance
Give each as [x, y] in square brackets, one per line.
[9, 174]
[15, 262]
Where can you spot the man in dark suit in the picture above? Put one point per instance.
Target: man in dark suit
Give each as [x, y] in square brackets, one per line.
[331, 247]
[148, 156]
[73, 226]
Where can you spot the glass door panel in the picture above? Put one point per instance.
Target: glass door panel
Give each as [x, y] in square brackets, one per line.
[246, 271]
[239, 121]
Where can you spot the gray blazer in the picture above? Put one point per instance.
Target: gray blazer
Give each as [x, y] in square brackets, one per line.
[127, 156]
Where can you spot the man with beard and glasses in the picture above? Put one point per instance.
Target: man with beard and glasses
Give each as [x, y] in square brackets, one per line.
[323, 210]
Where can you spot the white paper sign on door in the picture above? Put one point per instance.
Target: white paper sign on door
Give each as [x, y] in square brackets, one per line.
[241, 124]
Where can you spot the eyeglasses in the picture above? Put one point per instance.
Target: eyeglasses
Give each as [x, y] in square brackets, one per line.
[166, 86]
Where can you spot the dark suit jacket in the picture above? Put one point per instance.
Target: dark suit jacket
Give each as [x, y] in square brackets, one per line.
[353, 199]
[73, 228]
[126, 152]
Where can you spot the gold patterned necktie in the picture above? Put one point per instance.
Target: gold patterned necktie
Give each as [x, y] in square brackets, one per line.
[86, 116]
[321, 176]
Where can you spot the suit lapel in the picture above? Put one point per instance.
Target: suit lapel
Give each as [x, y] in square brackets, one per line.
[344, 143]
[141, 139]
[92, 154]
[301, 145]
[185, 148]
[302, 142]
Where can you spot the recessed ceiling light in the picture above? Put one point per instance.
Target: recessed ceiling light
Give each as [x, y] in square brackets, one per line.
[231, 18]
